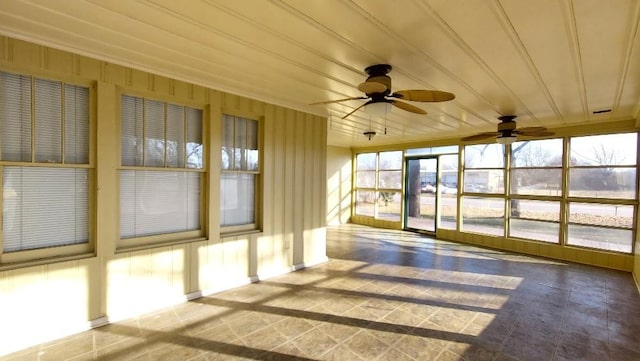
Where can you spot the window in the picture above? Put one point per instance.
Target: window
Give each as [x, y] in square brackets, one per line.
[390, 185]
[379, 185]
[161, 174]
[484, 168]
[365, 184]
[602, 191]
[536, 172]
[44, 127]
[448, 200]
[484, 173]
[240, 172]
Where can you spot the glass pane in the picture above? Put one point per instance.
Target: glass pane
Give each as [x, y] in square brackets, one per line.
[538, 210]
[537, 153]
[158, 202]
[389, 179]
[194, 139]
[131, 132]
[484, 156]
[154, 133]
[535, 230]
[420, 194]
[175, 141]
[44, 207]
[612, 215]
[365, 179]
[608, 149]
[251, 151]
[228, 136]
[618, 183]
[484, 180]
[366, 161]
[537, 181]
[76, 125]
[433, 151]
[15, 117]
[449, 173]
[526, 217]
[448, 211]
[365, 203]
[390, 160]
[483, 215]
[389, 206]
[448, 203]
[48, 115]
[237, 199]
[619, 240]
[240, 144]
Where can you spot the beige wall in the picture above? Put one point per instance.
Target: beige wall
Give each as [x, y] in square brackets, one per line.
[50, 300]
[339, 169]
[636, 259]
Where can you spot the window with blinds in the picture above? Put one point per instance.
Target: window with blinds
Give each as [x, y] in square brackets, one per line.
[240, 171]
[162, 166]
[44, 159]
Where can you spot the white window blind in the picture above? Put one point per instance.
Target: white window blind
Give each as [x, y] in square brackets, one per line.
[157, 202]
[44, 207]
[168, 138]
[15, 117]
[48, 114]
[237, 199]
[76, 125]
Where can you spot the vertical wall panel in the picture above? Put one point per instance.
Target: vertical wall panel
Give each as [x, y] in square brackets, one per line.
[299, 189]
[338, 185]
[289, 186]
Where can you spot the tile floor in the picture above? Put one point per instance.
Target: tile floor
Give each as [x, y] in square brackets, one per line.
[388, 295]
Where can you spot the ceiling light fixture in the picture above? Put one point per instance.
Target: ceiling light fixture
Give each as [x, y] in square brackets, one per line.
[369, 134]
[508, 139]
[378, 109]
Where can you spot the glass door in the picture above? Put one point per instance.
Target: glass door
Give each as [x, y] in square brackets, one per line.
[421, 194]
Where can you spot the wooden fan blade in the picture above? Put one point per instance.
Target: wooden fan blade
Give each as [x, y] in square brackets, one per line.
[369, 87]
[423, 95]
[355, 110]
[531, 129]
[480, 136]
[408, 107]
[338, 100]
[540, 133]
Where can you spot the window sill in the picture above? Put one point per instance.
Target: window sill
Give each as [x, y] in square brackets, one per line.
[240, 233]
[44, 261]
[140, 247]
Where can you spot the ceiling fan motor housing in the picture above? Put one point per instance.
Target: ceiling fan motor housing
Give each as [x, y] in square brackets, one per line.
[378, 74]
[507, 124]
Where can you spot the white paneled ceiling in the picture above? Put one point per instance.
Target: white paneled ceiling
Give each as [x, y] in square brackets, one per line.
[550, 62]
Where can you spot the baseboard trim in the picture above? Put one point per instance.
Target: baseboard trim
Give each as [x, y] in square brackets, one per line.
[99, 322]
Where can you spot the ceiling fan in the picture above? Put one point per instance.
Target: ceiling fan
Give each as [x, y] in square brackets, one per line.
[507, 131]
[377, 88]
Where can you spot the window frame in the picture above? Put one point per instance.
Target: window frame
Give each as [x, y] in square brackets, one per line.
[256, 225]
[47, 254]
[163, 239]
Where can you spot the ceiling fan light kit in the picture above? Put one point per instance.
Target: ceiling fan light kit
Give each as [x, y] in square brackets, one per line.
[378, 109]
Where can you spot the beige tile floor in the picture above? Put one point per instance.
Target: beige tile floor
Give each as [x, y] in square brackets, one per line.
[388, 295]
